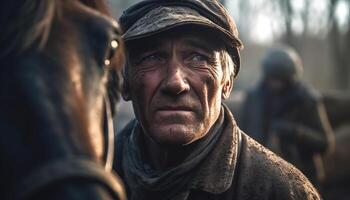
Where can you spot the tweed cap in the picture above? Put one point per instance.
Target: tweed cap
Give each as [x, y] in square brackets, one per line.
[150, 17]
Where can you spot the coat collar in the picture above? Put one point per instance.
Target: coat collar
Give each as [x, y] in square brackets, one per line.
[215, 174]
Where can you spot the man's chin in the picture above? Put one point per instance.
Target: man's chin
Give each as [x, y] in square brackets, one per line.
[173, 134]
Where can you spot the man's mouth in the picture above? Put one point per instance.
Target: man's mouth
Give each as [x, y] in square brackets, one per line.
[174, 114]
[172, 111]
[174, 108]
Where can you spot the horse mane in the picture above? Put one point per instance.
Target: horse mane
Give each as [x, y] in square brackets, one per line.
[27, 23]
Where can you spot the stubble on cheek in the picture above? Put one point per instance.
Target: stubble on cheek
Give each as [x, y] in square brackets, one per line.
[142, 91]
[211, 97]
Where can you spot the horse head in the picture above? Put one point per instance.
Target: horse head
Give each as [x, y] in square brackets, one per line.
[58, 85]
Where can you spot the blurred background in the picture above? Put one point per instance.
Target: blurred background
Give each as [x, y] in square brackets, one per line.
[320, 31]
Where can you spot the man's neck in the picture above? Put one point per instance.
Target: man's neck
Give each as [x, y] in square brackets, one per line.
[163, 157]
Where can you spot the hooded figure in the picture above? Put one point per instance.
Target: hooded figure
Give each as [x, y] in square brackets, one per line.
[182, 60]
[287, 116]
[282, 63]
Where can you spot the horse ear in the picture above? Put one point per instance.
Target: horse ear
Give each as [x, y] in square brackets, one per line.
[125, 91]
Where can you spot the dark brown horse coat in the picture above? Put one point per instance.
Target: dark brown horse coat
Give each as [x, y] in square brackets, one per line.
[236, 168]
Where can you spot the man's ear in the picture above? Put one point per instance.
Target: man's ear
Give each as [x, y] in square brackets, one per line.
[125, 90]
[227, 87]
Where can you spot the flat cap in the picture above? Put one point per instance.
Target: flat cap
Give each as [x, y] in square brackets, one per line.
[150, 17]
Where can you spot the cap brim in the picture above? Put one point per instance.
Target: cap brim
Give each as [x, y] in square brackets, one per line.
[165, 18]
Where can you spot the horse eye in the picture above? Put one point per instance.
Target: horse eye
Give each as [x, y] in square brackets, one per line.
[114, 44]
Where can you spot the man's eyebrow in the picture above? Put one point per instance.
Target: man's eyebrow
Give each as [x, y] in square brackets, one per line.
[147, 46]
[155, 44]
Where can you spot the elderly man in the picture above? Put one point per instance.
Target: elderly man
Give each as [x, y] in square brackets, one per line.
[182, 59]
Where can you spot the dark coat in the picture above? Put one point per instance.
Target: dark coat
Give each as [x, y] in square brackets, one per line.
[295, 126]
[238, 168]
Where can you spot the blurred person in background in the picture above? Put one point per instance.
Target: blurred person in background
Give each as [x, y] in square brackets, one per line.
[182, 60]
[288, 116]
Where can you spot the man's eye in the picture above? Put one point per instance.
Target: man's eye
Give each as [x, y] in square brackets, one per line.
[151, 58]
[147, 60]
[198, 57]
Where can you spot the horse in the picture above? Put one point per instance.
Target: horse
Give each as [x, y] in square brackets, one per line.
[60, 64]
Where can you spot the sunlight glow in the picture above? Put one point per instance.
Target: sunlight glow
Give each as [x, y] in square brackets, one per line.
[342, 14]
[298, 25]
[298, 5]
[261, 21]
[262, 30]
[317, 16]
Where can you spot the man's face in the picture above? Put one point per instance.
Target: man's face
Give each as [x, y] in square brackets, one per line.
[176, 85]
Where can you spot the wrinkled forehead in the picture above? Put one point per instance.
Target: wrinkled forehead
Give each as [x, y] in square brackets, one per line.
[202, 38]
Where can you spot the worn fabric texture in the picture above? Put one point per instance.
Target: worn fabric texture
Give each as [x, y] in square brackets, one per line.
[208, 9]
[236, 167]
[294, 126]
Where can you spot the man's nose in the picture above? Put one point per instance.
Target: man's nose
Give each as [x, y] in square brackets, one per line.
[175, 81]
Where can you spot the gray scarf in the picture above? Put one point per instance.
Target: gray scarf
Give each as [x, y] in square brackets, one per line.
[146, 183]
